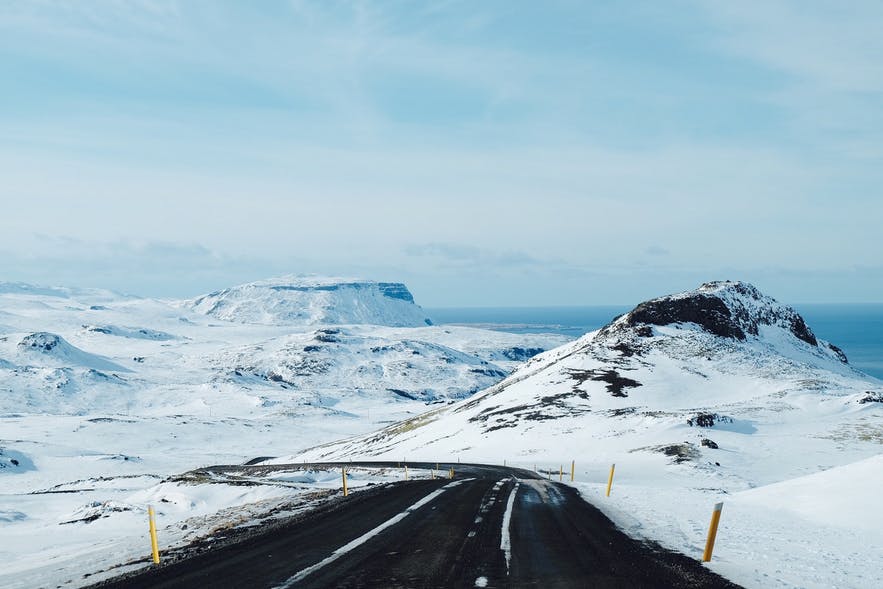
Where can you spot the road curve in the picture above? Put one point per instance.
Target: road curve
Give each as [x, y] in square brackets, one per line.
[490, 527]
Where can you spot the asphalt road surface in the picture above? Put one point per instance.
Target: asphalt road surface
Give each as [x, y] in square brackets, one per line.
[489, 527]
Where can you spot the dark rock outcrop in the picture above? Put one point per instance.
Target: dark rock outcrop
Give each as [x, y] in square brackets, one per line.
[733, 310]
[708, 312]
[519, 354]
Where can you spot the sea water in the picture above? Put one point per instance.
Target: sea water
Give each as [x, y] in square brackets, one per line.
[857, 328]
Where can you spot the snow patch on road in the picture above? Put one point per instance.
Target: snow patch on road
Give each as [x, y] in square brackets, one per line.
[506, 539]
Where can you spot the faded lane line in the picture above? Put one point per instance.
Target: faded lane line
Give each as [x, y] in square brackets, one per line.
[300, 576]
[506, 540]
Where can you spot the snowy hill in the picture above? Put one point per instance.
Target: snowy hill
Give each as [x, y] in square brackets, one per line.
[293, 300]
[51, 350]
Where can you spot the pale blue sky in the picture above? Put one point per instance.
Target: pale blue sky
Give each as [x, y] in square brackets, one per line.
[485, 153]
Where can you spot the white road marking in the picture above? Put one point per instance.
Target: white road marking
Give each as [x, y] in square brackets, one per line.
[300, 576]
[506, 540]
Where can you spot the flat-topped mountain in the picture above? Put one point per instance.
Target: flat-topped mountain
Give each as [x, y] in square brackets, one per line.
[299, 300]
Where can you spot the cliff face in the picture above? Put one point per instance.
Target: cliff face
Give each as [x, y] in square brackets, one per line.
[314, 301]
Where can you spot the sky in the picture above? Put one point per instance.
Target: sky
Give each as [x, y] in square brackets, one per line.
[490, 153]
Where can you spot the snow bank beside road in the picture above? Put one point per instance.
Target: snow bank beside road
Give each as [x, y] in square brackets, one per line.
[815, 532]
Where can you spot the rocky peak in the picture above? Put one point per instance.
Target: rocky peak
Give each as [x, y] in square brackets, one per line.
[728, 309]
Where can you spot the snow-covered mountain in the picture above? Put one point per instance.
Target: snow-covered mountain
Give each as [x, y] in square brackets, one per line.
[309, 300]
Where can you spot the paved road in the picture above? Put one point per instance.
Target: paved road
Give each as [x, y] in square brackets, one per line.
[490, 527]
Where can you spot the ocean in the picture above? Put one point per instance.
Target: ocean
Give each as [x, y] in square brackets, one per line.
[857, 328]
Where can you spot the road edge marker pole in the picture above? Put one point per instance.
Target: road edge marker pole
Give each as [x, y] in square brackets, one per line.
[151, 516]
[406, 472]
[560, 473]
[712, 531]
[346, 491]
[572, 469]
[610, 478]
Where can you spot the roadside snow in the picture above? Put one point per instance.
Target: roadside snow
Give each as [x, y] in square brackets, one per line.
[817, 531]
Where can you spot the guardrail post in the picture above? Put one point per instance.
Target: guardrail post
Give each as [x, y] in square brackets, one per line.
[610, 478]
[153, 544]
[712, 532]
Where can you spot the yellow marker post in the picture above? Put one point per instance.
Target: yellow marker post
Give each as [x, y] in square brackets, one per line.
[452, 473]
[153, 544]
[572, 469]
[610, 479]
[712, 532]
[345, 489]
[560, 473]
